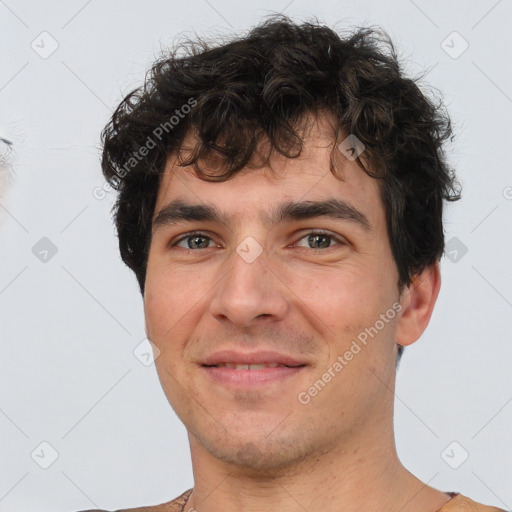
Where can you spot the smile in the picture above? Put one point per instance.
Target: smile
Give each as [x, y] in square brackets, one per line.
[261, 366]
[243, 376]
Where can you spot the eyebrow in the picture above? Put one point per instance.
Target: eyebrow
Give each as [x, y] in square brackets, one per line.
[178, 211]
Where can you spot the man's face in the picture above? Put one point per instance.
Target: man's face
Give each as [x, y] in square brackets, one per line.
[300, 304]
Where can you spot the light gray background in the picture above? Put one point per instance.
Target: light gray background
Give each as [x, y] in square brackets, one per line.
[70, 324]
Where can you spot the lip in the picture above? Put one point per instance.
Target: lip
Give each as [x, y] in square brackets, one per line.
[260, 357]
[232, 377]
[249, 378]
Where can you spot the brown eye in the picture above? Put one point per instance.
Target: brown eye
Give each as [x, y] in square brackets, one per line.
[193, 241]
[320, 240]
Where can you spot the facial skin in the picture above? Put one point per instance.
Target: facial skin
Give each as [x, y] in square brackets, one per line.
[256, 444]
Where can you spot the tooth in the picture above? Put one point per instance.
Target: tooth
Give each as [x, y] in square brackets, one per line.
[258, 366]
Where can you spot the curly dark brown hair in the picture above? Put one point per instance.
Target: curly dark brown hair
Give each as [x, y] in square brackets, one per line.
[263, 85]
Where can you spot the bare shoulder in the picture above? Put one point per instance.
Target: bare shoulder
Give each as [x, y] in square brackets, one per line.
[462, 503]
[175, 505]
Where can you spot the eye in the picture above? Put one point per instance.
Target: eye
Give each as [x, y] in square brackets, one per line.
[316, 239]
[193, 241]
[320, 240]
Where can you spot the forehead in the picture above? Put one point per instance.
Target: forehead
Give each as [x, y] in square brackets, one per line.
[259, 191]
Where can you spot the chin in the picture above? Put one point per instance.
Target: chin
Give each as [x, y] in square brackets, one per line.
[258, 455]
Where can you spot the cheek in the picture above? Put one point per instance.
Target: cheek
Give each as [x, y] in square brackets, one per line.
[343, 303]
[173, 303]
[341, 297]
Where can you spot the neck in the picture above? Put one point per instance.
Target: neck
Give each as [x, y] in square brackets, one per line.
[357, 476]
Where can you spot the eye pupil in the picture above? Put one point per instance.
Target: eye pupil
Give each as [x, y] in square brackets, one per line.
[192, 242]
[315, 238]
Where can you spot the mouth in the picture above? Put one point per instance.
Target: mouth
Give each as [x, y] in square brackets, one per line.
[257, 360]
[255, 366]
[250, 371]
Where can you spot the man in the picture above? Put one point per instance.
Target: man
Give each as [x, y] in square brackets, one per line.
[280, 202]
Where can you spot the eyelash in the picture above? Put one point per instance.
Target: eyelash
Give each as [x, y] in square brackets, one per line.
[339, 240]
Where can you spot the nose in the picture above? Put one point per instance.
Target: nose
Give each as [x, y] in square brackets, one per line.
[249, 292]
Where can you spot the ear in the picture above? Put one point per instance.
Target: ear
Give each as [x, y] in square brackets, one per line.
[418, 301]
